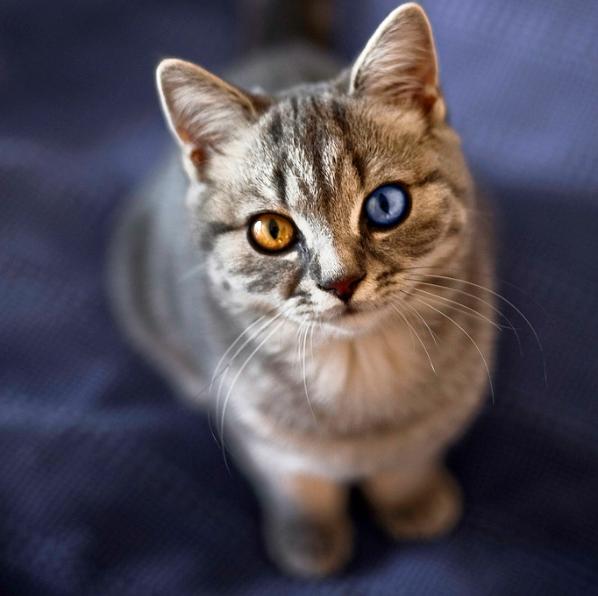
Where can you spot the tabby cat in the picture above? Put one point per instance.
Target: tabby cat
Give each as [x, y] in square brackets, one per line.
[322, 288]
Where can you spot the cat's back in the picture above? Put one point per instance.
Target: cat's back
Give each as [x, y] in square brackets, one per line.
[149, 253]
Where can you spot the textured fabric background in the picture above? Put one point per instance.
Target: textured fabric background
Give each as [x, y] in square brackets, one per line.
[108, 486]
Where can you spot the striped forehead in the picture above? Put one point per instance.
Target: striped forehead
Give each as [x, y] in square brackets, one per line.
[314, 166]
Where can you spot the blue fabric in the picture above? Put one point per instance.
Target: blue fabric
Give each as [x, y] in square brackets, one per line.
[108, 486]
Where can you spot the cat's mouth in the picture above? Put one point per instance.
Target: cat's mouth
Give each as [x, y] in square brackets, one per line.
[342, 311]
[350, 319]
[347, 313]
[348, 310]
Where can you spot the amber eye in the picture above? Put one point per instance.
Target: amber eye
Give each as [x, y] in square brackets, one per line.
[271, 232]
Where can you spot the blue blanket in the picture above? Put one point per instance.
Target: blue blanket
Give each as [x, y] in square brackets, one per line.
[108, 486]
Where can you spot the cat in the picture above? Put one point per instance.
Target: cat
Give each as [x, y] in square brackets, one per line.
[322, 283]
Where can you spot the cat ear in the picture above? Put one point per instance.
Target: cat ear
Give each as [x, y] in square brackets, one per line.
[398, 65]
[202, 110]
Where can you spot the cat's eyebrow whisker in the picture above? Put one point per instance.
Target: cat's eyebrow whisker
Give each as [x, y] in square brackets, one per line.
[423, 345]
[467, 335]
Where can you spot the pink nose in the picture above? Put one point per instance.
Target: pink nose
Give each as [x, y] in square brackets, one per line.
[343, 288]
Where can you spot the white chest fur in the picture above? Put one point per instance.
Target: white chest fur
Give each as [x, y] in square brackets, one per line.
[375, 402]
[360, 378]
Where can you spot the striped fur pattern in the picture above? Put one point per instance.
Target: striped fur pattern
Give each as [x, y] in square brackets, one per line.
[311, 395]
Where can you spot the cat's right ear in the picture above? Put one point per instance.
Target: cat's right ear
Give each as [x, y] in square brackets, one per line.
[202, 110]
[398, 65]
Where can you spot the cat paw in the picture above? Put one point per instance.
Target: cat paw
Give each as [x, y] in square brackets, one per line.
[307, 548]
[433, 513]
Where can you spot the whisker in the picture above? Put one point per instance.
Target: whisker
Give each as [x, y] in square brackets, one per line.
[309, 327]
[243, 367]
[400, 313]
[467, 335]
[411, 307]
[509, 303]
[502, 281]
[232, 345]
[470, 295]
[223, 372]
[459, 305]
[243, 346]
[298, 343]
[409, 328]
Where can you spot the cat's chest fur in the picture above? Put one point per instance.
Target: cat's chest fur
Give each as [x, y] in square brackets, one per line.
[362, 370]
[343, 385]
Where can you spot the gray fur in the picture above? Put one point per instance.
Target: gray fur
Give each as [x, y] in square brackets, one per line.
[318, 398]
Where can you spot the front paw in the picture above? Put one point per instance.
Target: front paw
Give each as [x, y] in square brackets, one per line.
[432, 513]
[309, 548]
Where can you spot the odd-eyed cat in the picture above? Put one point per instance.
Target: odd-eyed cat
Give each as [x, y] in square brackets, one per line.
[321, 287]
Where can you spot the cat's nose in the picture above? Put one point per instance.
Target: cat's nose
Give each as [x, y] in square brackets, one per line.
[343, 287]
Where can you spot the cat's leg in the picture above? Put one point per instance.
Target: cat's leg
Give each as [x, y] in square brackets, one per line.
[306, 525]
[415, 502]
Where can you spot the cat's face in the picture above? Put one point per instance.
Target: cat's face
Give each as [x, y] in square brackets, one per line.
[315, 161]
[324, 204]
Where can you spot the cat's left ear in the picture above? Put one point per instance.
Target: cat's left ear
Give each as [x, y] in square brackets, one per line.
[202, 110]
[398, 65]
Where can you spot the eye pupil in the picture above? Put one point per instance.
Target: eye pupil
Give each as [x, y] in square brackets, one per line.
[273, 228]
[383, 202]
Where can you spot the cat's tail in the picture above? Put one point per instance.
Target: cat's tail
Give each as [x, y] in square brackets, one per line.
[271, 23]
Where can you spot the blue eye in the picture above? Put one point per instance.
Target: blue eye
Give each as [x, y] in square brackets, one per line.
[387, 206]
